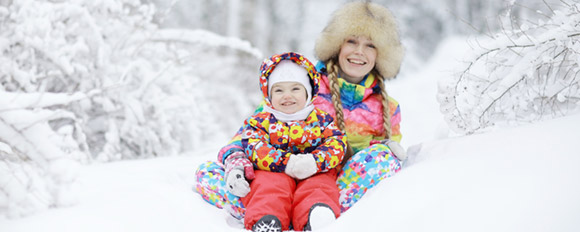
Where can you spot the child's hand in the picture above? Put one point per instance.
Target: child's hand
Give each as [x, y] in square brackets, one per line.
[395, 147]
[240, 161]
[237, 167]
[236, 183]
[301, 166]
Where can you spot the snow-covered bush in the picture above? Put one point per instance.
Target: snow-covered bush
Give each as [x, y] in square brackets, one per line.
[84, 80]
[520, 75]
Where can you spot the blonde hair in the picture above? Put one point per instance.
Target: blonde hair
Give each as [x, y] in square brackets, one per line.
[333, 69]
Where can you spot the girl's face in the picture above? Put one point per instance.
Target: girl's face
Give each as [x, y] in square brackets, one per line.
[356, 58]
[288, 97]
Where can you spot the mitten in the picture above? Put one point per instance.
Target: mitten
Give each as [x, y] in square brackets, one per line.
[395, 147]
[301, 166]
[237, 167]
[397, 150]
[236, 183]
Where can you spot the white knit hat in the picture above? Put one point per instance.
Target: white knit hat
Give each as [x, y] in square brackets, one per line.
[286, 71]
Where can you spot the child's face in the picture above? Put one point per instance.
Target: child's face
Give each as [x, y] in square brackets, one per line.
[357, 58]
[288, 97]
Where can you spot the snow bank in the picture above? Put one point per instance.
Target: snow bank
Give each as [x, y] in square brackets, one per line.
[519, 179]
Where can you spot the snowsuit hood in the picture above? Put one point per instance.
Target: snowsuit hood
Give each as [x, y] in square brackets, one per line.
[268, 65]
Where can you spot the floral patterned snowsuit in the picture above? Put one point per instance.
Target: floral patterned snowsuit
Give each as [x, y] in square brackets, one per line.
[269, 143]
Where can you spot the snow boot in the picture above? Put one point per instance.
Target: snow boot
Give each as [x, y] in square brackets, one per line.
[268, 223]
[320, 216]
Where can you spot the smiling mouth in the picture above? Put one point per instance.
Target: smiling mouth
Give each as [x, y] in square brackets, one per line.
[287, 103]
[359, 62]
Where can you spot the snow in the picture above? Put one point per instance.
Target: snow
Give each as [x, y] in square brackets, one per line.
[507, 179]
[144, 195]
[11, 101]
[516, 76]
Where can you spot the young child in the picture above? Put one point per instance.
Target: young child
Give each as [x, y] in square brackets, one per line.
[294, 147]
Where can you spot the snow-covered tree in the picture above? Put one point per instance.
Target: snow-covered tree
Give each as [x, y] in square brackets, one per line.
[84, 80]
[279, 25]
[526, 73]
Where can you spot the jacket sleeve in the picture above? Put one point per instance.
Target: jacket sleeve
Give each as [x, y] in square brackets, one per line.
[330, 153]
[395, 108]
[235, 144]
[256, 143]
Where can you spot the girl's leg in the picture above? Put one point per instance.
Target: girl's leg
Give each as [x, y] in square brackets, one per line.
[363, 171]
[271, 194]
[210, 184]
[317, 189]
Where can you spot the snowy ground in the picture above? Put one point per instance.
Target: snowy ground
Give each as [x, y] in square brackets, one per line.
[512, 179]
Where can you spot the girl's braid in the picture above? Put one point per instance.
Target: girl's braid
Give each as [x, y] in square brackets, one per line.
[332, 70]
[386, 111]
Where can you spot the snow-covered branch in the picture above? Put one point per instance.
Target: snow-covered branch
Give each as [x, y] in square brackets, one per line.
[84, 81]
[207, 38]
[518, 76]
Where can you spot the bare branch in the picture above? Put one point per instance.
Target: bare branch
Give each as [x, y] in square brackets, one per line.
[533, 10]
[548, 5]
[468, 23]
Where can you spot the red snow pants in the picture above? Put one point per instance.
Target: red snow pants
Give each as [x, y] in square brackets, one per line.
[290, 200]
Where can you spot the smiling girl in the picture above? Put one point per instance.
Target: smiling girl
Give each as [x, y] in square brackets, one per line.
[294, 148]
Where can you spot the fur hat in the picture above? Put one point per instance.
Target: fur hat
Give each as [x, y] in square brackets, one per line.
[368, 19]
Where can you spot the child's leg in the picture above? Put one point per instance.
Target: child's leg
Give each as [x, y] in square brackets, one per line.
[210, 184]
[271, 194]
[320, 188]
[363, 171]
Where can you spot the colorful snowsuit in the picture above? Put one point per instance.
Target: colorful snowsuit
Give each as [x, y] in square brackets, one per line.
[363, 115]
[364, 123]
[269, 143]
